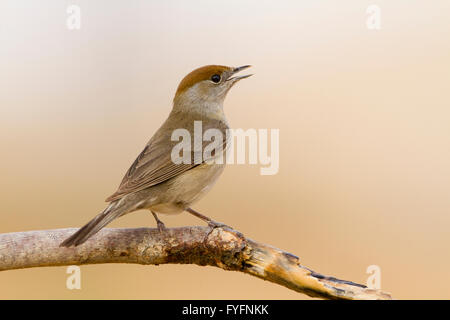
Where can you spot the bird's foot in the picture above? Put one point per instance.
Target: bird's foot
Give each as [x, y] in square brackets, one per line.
[161, 226]
[214, 224]
[211, 223]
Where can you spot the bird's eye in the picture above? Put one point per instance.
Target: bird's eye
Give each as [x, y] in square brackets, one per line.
[215, 78]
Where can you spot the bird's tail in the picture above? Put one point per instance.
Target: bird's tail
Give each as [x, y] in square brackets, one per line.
[114, 210]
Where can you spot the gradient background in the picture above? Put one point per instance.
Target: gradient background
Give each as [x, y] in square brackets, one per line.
[364, 135]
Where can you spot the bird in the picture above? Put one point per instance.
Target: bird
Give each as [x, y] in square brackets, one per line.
[157, 183]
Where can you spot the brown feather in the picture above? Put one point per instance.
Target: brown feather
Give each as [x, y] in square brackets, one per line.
[154, 164]
[200, 74]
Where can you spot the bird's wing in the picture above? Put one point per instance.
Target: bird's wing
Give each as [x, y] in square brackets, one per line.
[154, 164]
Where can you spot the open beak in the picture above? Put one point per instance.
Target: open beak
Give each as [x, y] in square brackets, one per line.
[236, 70]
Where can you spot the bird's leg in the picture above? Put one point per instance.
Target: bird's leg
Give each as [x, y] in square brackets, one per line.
[211, 223]
[159, 223]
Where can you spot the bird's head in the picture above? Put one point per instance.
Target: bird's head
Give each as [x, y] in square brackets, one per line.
[209, 84]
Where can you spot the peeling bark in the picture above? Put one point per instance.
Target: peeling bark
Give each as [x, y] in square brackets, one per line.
[220, 247]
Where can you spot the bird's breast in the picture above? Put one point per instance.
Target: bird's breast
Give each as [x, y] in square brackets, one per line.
[180, 192]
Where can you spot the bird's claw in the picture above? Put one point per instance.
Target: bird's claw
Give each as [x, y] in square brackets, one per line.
[214, 224]
[161, 226]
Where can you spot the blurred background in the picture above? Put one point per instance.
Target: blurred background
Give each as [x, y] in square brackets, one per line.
[363, 115]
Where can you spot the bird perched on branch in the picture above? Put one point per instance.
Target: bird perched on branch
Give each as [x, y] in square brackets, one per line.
[154, 181]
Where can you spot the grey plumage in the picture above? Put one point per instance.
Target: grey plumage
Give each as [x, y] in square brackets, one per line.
[112, 211]
[154, 181]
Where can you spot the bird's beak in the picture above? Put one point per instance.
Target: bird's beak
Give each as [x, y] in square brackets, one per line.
[236, 70]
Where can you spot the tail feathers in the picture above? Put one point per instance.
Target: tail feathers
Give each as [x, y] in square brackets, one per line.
[92, 227]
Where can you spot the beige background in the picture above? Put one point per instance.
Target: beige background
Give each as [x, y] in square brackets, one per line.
[364, 135]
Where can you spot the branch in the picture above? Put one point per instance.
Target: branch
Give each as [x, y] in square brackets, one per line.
[220, 247]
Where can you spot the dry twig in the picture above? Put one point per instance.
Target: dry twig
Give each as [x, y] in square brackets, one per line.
[221, 247]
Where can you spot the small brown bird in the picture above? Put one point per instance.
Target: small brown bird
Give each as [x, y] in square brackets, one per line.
[154, 181]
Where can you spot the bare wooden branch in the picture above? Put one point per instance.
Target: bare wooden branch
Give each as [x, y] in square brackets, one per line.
[221, 247]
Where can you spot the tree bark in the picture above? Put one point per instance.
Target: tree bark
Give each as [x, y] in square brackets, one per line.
[220, 247]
